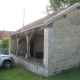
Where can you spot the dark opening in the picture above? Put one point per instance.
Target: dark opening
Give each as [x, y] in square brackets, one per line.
[37, 45]
[39, 55]
[32, 49]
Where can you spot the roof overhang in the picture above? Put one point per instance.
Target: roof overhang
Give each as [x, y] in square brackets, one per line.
[28, 29]
[49, 21]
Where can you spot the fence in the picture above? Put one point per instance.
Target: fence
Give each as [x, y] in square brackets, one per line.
[4, 51]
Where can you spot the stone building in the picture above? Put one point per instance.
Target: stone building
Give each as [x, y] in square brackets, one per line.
[49, 45]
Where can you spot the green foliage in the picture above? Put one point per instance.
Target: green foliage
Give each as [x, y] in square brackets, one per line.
[4, 43]
[56, 5]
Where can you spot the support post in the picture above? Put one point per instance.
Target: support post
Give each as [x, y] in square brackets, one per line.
[17, 52]
[48, 51]
[28, 46]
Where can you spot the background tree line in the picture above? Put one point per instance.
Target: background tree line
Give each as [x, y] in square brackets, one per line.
[56, 5]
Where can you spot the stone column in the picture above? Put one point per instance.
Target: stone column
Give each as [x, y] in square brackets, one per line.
[48, 52]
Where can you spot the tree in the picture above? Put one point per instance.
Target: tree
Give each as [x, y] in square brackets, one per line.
[4, 43]
[56, 5]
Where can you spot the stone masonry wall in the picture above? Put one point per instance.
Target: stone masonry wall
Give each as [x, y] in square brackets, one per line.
[13, 47]
[66, 42]
[29, 64]
[48, 52]
[39, 44]
[22, 47]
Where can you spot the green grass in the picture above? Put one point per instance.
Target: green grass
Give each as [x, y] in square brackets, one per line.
[19, 73]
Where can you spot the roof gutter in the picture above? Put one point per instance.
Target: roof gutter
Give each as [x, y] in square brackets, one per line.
[61, 14]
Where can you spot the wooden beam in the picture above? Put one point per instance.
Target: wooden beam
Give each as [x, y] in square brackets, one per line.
[28, 46]
[31, 36]
[21, 40]
[17, 37]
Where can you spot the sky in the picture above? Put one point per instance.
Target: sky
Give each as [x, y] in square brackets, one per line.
[12, 11]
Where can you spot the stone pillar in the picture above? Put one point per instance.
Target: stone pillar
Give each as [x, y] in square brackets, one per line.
[17, 37]
[28, 46]
[48, 52]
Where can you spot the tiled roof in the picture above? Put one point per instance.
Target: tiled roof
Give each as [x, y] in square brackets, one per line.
[35, 23]
[47, 19]
[5, 34]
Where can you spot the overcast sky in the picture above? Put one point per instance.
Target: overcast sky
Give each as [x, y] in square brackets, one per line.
[11, 12]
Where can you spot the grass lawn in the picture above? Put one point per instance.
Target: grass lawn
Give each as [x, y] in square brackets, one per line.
[18, 73]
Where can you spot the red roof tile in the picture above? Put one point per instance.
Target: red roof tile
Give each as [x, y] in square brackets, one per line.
[5, 34]
[36, 23]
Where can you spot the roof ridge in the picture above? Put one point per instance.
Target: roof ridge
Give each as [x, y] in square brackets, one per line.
[65, 11]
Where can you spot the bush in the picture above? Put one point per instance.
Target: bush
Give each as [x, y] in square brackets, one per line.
[4, 43]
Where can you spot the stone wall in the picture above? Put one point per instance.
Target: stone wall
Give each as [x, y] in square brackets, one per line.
[4, 51]
[48, 52]
[39, 43]
[29, 64]
[66, 42]
[13, 44]
[23, 47]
